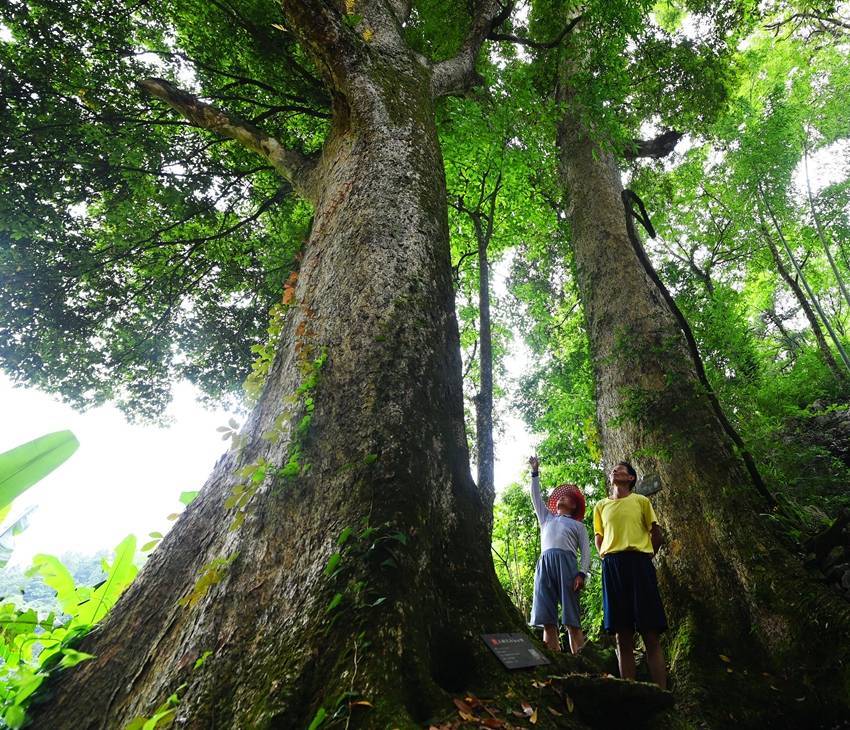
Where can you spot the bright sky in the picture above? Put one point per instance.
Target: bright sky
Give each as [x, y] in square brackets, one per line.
[124, 478]
[127, 478]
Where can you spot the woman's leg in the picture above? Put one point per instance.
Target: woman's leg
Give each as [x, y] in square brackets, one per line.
[655, 658]
[550, 637]
[576, 638]
[626, 653]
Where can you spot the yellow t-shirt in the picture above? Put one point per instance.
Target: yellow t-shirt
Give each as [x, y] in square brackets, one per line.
[624, 524]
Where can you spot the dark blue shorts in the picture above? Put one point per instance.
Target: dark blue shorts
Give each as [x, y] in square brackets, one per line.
[630, 598]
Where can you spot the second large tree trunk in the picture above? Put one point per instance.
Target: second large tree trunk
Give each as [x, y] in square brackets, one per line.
[730, 587]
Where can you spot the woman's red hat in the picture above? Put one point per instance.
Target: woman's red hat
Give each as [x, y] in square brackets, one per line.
[573, 491]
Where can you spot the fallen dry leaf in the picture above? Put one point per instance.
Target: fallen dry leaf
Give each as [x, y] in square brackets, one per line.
[725, 658]
[569, 702]
[554, 711]
[462, 706]
[361, 703]
[527, 709]
[533, 718]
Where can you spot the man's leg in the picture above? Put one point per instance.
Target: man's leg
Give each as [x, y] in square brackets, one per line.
[626, 653]
[550, 637]
[655, 658]
[576, 638]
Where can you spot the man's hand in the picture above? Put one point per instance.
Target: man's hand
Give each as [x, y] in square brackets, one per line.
[578, 583]
[534, 463]
[656, 538]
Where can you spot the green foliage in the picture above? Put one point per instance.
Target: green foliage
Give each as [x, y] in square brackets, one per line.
[211, 574]
[33, 648]
[145, 252]
[710, 207]
[265, 351]
[516, 545]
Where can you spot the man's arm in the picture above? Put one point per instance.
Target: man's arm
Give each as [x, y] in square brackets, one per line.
[655, 536]
[598, 538]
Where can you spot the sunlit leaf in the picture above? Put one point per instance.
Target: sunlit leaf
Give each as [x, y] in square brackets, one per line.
[188, 497]
[24, 465]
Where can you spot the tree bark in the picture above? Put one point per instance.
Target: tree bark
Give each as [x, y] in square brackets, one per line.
[484, 397]
[359, 430]
[729, 584]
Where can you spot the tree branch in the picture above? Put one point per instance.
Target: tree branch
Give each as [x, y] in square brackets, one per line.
[656, 148]
[457, 75]
[536, 44]
[290, 164]
[401, 9]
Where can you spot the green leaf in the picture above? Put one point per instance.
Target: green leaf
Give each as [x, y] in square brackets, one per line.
[120, 575]
[333, 561]
[318, 718]
[370, 458]
[72, 657]
[28, 687]
[199, 662]
[188, 497]
[15, 716]
[24, 465]
[160, 718]
[334, 602]
[57, 576]
[344, 535]
[149, 546]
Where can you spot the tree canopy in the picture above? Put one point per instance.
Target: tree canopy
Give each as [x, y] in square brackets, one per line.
[176, 203]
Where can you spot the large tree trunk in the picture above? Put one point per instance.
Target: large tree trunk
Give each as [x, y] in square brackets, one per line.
[382, 445]
[730, 587]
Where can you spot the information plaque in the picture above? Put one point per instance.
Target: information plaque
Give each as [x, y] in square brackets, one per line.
[515, 651]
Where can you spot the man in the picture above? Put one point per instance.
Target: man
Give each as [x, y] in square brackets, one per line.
[627, 536]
